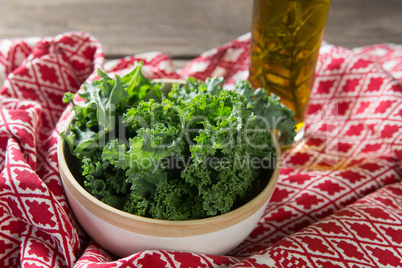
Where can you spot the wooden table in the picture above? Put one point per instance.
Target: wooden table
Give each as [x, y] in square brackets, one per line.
[185, 28]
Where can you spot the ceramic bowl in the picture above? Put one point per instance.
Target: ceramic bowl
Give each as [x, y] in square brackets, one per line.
[124, 234]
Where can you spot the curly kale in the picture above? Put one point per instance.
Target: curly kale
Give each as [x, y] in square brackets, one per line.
[192, 154]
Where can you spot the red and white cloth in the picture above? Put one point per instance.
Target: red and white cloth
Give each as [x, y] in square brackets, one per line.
[338, 202]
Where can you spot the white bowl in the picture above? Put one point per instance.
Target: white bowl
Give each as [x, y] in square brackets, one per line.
[123, 234]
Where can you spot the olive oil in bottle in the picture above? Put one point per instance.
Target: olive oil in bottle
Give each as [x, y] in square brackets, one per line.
[286, 37]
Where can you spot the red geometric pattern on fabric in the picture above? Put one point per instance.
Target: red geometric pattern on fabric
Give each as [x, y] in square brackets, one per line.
[46, 230]
[13, 53]
[153, 258]
[338, 200]
[367, 233]
[31, 106]
[230, 61]
[387, 55]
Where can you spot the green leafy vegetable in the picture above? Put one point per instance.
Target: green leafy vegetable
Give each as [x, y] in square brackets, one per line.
[191, 154]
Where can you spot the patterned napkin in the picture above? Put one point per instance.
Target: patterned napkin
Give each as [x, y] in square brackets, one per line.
[338, 202]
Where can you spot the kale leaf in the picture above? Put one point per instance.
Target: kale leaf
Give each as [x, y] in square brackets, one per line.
[193, 153]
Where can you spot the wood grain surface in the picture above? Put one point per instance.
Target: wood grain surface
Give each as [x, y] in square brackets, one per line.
[185, 28]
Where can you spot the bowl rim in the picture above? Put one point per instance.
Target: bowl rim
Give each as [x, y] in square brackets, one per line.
[157, 227]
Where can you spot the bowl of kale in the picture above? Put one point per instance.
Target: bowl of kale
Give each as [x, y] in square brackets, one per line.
[170, 164]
